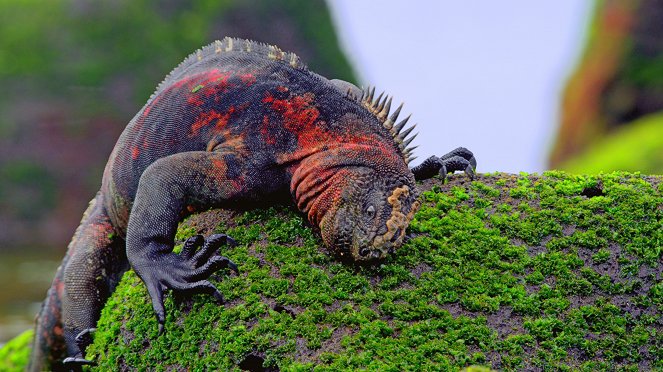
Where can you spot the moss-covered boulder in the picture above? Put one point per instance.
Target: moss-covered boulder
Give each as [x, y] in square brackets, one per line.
[506, 271]
[509, 272]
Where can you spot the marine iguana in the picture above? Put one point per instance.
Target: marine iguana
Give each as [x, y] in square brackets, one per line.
[237, 121]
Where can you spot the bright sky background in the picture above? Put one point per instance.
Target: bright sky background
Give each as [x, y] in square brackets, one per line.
[486, 75]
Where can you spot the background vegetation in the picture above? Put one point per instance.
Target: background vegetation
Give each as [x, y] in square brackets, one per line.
[618, 81]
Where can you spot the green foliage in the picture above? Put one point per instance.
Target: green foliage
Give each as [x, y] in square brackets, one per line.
[549, 282]
[643, 70]
[15, 354]
[26, 188]
[104, 41]
[636, 147]
[64, 44]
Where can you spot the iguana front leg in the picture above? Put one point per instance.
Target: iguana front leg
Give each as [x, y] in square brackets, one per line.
[460, 159]
[165, 190]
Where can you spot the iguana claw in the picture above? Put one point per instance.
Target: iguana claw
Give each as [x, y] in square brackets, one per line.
[77, 363]
[83, 339]
[186, 273]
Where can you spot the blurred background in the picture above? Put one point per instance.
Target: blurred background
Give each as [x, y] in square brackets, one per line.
[574, 85]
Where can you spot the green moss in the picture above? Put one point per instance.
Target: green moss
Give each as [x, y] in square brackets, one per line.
[15, 354]
[563, 273]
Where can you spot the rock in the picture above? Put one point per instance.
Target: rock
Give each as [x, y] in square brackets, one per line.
[510, 272]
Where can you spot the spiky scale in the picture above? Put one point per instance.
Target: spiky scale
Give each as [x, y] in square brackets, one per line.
[411, 149]
[371, 93]
[350, 94]
[384, 112]
[294, 60]
[405, 133]
[376, 103]
[409, 140]
[398, 127]
[397, 112]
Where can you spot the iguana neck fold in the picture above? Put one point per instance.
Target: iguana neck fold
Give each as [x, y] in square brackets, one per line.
[319, 180]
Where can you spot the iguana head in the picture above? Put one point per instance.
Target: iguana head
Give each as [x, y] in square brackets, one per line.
[359, 189]
[370, 216]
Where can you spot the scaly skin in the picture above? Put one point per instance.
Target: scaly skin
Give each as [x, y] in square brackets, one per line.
[236, 122]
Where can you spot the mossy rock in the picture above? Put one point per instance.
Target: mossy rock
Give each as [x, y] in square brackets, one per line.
[508, 272]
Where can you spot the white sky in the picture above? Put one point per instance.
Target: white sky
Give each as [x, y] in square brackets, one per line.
[486, 75]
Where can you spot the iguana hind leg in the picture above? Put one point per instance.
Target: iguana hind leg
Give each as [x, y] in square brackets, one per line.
[92, 267]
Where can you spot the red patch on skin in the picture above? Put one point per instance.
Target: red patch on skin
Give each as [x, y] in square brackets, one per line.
[206, 118]
[207, 84]
[219, 164]
[223, 120]
[194, 100]
[214, 77]
[219, 170]
[300, 117]
[135, 152]
[248, 79]
[317, 187]
[58, 285]
[238, 183]
[282, 89]
[264, 131]
[58, 331]
[152, 104]
[268, 98]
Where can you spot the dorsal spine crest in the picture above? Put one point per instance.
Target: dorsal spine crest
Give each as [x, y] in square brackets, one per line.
[235, 45]
[380, 108]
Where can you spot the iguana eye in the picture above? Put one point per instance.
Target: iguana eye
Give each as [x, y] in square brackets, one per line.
[370, 211]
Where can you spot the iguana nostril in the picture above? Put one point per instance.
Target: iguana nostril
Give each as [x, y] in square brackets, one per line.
[391, 250]
[376, 253]
[364, 252]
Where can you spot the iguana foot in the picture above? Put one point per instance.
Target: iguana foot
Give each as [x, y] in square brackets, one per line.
[460, 159]
[83, 340]
[77, 363]
[185, 273]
